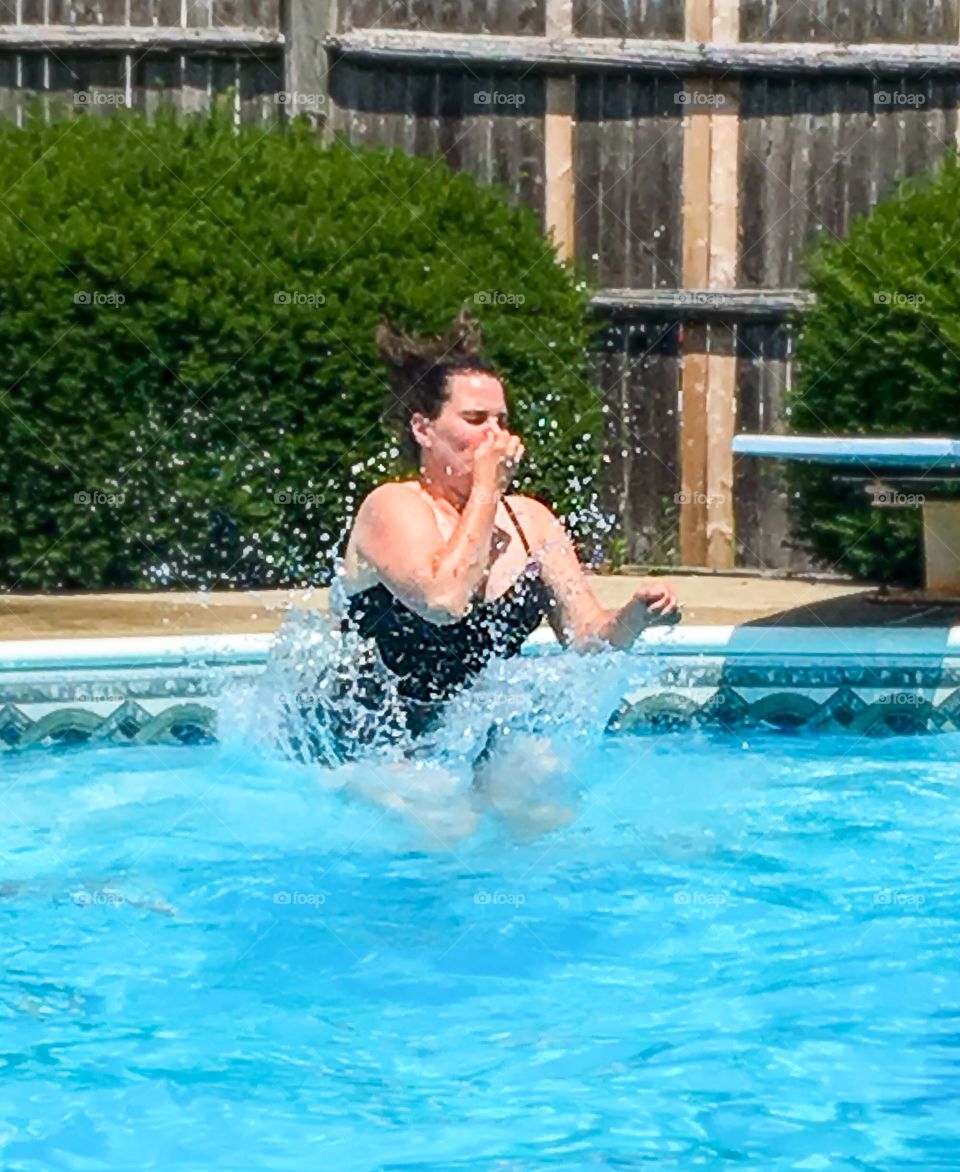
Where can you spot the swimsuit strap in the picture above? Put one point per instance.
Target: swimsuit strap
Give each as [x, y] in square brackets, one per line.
[516, 524]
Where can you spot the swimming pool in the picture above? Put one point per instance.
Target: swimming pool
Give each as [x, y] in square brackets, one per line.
[742, 949]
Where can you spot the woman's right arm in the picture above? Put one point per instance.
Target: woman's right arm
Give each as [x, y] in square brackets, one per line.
[396, 534]
[579, 618]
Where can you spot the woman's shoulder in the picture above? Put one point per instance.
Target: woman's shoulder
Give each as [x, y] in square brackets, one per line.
[398, 513]
[384, 505]
[534, 513]
[391, 495]
[381, 529]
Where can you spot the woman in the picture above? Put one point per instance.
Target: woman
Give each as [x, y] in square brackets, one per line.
[446, 571]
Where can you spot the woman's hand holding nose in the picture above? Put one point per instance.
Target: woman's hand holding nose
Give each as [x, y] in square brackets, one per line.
[495, 460]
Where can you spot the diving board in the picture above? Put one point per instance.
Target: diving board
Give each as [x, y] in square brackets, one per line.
[929, 454]
[933, 457]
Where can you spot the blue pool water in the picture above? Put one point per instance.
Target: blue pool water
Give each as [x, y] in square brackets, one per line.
[741, 950]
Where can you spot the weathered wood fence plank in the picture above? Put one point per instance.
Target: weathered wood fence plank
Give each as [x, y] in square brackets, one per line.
[93, 38]
[685, 58]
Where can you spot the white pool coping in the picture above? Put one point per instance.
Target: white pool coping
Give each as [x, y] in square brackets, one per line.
[767, 642]
[134, 651]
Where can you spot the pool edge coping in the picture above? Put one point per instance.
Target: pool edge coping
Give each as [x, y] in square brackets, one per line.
[734, 640]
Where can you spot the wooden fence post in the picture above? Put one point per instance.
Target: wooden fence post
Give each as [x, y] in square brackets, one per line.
[559, 199]
[695, 274]
[710, 248]
[305, 71]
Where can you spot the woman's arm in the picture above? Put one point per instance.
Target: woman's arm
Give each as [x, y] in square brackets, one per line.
[396, 534]
[580, 618]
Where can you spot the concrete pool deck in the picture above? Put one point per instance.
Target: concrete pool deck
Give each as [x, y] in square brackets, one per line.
[708, 600]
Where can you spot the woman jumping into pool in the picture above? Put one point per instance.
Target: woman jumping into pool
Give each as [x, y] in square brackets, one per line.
[449, 570]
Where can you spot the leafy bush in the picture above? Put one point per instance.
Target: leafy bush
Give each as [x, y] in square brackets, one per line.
[187, 314]
[880, 353]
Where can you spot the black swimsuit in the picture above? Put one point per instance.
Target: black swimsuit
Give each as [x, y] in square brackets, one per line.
[429, 662]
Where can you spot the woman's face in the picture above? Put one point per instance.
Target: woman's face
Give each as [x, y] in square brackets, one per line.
[475, 405]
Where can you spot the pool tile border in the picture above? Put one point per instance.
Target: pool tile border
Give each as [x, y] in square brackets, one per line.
[168, 690]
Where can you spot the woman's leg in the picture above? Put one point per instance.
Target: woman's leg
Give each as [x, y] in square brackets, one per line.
[518, 777]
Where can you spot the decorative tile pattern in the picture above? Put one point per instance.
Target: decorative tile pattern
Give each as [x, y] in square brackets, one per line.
[181, 723]
[842, 710]
[114, 706]
[861, 696]
[181, 705]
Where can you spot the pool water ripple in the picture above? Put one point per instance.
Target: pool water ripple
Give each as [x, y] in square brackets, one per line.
[742, 949]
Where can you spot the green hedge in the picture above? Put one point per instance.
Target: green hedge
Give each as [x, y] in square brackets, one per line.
[187, 314]
[880, 353]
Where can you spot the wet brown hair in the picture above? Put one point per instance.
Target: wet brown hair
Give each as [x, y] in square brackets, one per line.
[421, 369]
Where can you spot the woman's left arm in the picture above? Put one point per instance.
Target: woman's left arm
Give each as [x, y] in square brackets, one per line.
[581, 620]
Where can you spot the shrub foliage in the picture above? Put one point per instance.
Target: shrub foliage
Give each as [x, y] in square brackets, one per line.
[880, 353]
[192, 394]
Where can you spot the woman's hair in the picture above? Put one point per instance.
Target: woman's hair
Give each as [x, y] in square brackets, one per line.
[421, 368]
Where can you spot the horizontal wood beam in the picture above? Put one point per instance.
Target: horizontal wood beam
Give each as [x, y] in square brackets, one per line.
[704, 304]
[508, 53]
[690, 58]
[98, 38]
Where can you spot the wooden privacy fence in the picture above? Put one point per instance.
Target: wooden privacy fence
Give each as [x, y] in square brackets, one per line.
[685, 152]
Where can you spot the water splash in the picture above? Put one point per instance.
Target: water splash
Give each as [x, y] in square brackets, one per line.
[510, 745]
[322, 689]
[321, 679]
